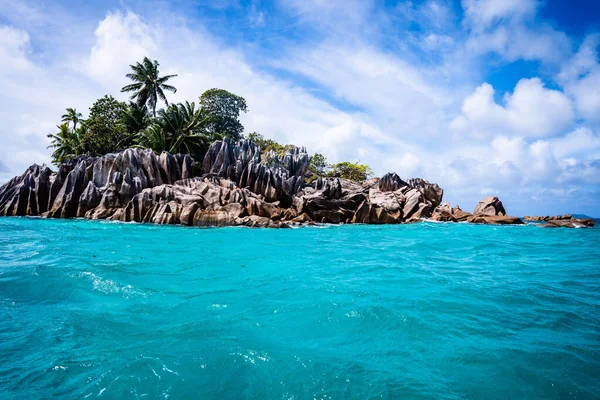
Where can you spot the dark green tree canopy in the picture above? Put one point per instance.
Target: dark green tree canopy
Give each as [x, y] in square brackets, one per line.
[105, 130]
[221, 110]
[176, 130]
[318, 165]
[149, 87]
[136, 118]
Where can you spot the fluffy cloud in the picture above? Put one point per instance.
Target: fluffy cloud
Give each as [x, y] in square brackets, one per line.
[508, 28]
[483, 13]
[531, 110]
[121, 40]
[580, 76]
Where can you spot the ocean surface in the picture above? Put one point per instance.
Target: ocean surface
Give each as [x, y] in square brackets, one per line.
[447, 311]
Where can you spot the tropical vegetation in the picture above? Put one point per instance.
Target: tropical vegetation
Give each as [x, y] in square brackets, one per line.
[148, 87]
[187, 127]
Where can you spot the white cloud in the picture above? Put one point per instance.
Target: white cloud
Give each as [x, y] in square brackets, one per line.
[577, 143]
[482, 13]
[580, 77]
[509, 28]
[121, 40]
[14, 48]
[531, 110]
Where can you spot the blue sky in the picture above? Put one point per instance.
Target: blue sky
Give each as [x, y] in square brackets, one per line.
[481, 96]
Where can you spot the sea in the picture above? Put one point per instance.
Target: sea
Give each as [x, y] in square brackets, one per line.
[111, 310]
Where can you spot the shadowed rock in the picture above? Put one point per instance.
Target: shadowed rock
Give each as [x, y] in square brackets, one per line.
[277, 178]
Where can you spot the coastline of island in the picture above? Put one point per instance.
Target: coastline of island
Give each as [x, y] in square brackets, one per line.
[237, 185]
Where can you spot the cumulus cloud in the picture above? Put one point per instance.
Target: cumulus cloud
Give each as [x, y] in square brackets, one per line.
[531, 110]
[121, 40]
[580, 77]
[509, 28]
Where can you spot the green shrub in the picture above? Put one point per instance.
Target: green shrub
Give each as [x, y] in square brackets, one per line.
[352, 171]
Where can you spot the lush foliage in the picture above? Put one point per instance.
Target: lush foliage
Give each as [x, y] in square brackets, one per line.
[268, 145]
[179, 128]
[105, 131]
[352, 171]
[148, 87]
[136, 118]
[72, 116]
[65, 143]
[318, 165]
[221, 110]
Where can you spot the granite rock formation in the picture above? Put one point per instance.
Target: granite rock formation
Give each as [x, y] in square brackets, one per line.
[489, 206]
[570, 223]
[238, 186]
[447, 213]
[491, 211]
[547, 218]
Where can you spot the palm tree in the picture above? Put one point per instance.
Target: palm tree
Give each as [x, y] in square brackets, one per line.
[72, 116]
[148, 87]
[136, 118]
[176, 130]
[66, 144]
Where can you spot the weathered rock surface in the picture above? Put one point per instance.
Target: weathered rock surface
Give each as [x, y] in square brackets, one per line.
[547, 218]
[570, 223]
[275, 178]
[238, 186]
[495, 220]
[445, 213]
[491, 211]
[489, 206]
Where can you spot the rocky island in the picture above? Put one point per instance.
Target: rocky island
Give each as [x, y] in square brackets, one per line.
[236, 186]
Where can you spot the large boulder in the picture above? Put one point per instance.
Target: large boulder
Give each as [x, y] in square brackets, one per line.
[391, 182]
[446, 213]
[489, 206]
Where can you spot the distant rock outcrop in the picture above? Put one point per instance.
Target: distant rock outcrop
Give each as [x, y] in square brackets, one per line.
[489, 206]
[547, 218]
[491, 211]
[570, 223]
[445, 213]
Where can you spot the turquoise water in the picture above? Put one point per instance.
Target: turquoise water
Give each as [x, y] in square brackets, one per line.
[97, 309]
